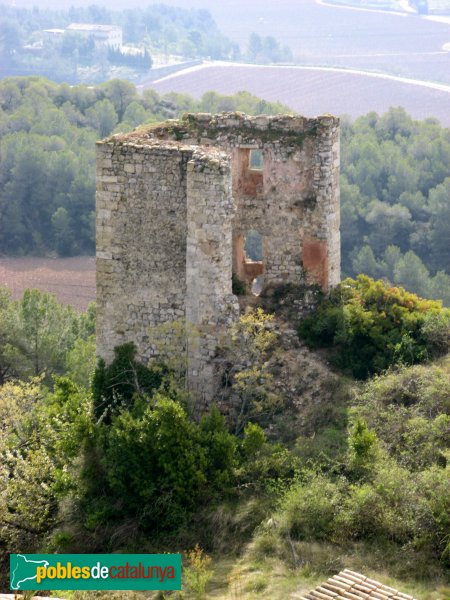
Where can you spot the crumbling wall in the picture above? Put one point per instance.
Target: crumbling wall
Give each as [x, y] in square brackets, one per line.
[174, 203]
[293, 202]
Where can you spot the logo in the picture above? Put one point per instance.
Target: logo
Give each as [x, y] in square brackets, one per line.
[95, 571]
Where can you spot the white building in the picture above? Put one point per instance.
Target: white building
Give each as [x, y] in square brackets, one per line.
[104, 35]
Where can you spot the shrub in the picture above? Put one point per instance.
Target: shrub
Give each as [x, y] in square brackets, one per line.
[309, 509]
[247, 348]
[265, 466]
[196, 573]
[433, 528]
[220, 448]
[115, 385]
[371, 326]
[254, 439]
[436, 331]
[153, 464]
[409, 410]
[362, 449]
[41, 438]
[385, 508]
[325, 449]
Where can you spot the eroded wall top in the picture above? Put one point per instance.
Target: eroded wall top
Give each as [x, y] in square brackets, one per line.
[236, 129]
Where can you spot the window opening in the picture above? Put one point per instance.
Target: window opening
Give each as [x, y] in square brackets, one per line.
[253, 245]
[253, 265]
[256, 160]
[257, 285]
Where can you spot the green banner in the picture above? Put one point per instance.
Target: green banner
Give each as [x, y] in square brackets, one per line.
[95, 571]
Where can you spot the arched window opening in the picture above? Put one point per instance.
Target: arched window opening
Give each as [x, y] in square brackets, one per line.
[257, 285]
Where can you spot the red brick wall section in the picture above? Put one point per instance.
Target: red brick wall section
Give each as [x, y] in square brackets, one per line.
[248, 182]
[315, 261]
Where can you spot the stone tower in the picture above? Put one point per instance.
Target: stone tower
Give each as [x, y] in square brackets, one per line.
[174, 204]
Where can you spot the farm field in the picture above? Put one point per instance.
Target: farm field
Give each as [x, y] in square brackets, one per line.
[313, 91]
[72, 280]
[398, 44]
[319, 34]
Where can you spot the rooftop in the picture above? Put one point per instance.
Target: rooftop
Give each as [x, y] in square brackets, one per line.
[92, 27]
[354, 586]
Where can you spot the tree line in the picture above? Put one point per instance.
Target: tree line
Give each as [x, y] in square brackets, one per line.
[47, 155]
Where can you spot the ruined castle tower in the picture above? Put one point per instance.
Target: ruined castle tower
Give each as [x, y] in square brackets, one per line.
[174, 205]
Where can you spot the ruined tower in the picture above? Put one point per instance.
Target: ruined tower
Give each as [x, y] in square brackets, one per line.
[174, 204]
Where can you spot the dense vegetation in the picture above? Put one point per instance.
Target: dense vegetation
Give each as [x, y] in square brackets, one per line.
[395, 193]
[38, 335]
[126, 464]
[370, 327]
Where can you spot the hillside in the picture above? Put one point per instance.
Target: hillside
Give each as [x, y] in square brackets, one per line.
[318, 34]
[313, 473]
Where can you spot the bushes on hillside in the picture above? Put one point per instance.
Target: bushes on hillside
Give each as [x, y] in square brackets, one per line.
[370, 326]
[409, 410]
[156, 462]
[391, 507]
[41, 439]
[147, 460]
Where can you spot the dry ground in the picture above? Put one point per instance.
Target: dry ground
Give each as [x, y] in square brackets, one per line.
[72, 280]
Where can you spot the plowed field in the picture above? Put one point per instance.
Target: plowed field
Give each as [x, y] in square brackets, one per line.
[313, 91]
[72, 280]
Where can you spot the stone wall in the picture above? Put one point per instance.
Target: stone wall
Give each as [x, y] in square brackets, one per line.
[174, 204]
[141, 242]
[210, 304]
[293, 203]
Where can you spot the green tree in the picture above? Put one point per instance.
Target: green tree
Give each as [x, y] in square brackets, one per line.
[62, 231]
[37, 333]
[103, 117]
[255, 47]
[116, 386]
[49, 330]
[362, 450]
[439, 205]
[412, 274]
[120, 93]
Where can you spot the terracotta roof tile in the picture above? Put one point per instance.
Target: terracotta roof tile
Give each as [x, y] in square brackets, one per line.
[348, 585]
